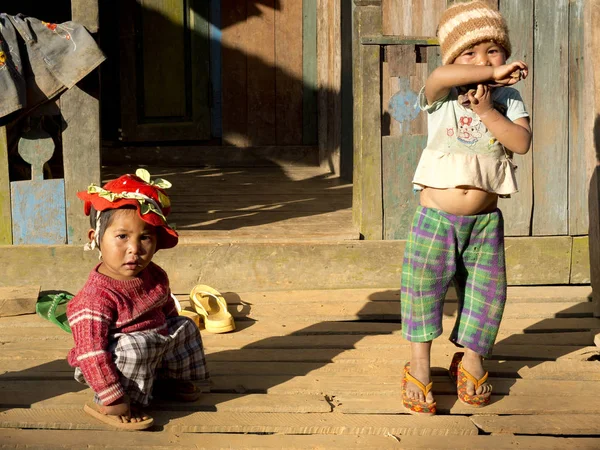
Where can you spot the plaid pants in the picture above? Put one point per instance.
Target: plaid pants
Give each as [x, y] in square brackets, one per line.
[143, 356]
[467, 250]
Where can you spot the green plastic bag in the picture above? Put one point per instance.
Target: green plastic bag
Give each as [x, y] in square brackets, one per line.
[53, 307]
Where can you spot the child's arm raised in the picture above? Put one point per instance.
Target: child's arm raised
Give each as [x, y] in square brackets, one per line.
[515, 136]
[444, 78]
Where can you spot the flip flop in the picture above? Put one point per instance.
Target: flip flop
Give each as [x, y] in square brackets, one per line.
[412, 405]
[212, 307]
[460, 376]
[53, 307]
[186, 312]
[94, 410]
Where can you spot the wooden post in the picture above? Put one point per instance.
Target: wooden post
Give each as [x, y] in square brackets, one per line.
[593, 34]
[5, 213]
[81, 138]
[367, 199]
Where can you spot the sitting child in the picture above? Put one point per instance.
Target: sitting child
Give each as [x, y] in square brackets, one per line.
[130, 343]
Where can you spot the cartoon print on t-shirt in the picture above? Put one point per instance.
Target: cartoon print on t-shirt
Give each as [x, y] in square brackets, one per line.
[470, 130]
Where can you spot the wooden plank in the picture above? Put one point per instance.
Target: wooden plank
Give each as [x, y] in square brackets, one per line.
[288, 76]
[580, 262]
[157, 440]
[5, 212]
[550, 215]
[518, 209]
[17, 300]
[261, 74]
[33, 201]
[413, 17]
[69, 394]
[93, 439]
[552, 256]
[255, 422]
[448, 404]
[371, 223]
[578, 157]
[234, 72]
[565, 425]
[400, 156]
[593, 33]
[366, 20]
[163, 59]
[216, 65]
[81, 153]
[309, 72]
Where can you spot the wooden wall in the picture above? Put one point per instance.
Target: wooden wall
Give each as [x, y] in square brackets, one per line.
[554, 176]
[264, 63]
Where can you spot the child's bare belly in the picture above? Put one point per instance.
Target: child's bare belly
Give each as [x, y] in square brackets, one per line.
[460, 201]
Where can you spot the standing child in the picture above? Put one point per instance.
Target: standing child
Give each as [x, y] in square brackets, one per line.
[475, 121]
[130, 343]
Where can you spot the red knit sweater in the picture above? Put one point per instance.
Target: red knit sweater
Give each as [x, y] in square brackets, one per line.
[106, 306]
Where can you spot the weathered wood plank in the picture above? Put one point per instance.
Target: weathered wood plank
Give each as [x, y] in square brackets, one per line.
[516, 405]
[593, 32]
[261, 75]
[234, 72]
[400, 156]
[565, 425]
[413, 17]
[81, 153]
[156, 440]
[14, 368]
[215, 35]
[518, 209]
[5, 212]
[289, 73]
[309, 72]
[551, 256]
[579, 165]
[215, 422]
[580, 261]
[371, 223]
[17, 300]
[550, 175]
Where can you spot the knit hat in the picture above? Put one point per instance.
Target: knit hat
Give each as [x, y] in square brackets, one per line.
[152, 204]
[466, 24]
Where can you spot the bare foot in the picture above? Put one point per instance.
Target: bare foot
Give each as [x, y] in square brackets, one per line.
[473, 363]
[421, 371]
[420, 365]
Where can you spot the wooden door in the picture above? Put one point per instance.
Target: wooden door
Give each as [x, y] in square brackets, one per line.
[164, 47]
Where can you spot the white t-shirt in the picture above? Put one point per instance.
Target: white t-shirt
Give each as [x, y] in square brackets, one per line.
[461, 151]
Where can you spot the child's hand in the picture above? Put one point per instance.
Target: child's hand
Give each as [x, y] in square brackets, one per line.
[509, 74]
[481, 99]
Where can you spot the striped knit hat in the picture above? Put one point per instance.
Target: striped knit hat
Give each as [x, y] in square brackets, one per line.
[465, 24]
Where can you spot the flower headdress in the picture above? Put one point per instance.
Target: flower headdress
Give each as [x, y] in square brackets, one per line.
[139, 190]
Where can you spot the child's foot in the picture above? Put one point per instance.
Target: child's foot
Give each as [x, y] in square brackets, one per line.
[473, 363]
[120, 416]
[179, 390]
[420, 370]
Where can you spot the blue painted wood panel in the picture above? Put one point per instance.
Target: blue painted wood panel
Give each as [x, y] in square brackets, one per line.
[38, 212]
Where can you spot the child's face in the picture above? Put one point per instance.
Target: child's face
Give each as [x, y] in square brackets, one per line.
[486, 53]
[127, 246]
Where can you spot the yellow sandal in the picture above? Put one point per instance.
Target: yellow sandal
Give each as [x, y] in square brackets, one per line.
[212, 308]
[413, 406]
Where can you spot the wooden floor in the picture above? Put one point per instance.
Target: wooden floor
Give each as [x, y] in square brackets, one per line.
[322, 369]
[256, 203]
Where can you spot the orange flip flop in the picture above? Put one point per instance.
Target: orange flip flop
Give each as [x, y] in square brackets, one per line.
[413, 406]
[460, 376]
[212, 308]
